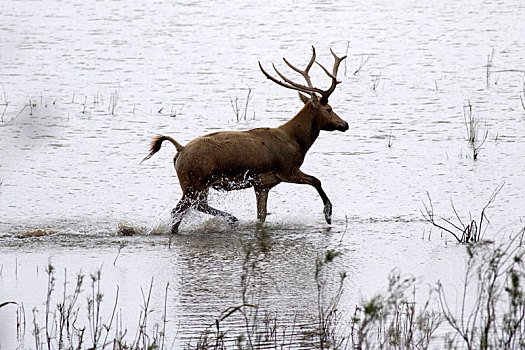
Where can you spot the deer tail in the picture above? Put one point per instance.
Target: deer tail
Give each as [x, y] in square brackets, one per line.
[156, 143]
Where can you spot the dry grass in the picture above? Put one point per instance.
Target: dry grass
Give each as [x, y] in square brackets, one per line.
[470, 231]
[475, 135]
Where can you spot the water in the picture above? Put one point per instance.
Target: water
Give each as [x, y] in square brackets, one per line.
[70, 154]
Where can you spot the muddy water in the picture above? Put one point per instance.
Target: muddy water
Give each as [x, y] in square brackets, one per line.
[85, 86]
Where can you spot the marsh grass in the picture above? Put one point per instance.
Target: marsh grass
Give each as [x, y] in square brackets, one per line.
[495, 318]
[376, 80]
[362, 64]
[491, 312]
[5, 103]
[256, 328]
[240, 112]
[113, 101]
[328, 303]
[488, 67]
[65, 325]
[98, 98]
[476, 136]
[390, 140]
[389, 321]
[346, 54]
[522, 95]
[471, 231]
[393, 320]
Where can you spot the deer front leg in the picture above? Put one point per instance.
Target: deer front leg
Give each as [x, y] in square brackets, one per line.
[301, 178]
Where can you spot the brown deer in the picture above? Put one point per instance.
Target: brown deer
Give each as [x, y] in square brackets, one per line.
[260, 158]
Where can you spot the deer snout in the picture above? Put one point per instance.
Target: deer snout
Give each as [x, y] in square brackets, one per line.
[343, 126]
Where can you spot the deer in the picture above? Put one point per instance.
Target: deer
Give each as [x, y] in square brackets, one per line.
[260, 158]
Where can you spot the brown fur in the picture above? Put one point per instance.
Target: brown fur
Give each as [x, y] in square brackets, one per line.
[260, 158]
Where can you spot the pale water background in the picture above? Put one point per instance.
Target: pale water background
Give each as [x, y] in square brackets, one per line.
[69, 160]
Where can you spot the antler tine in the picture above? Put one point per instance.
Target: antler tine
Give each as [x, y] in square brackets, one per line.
[333, 75]
[304, 73]
[288, 84]
[338, 61]
[309, 88]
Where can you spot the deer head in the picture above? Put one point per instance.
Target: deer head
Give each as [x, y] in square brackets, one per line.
[325, 117]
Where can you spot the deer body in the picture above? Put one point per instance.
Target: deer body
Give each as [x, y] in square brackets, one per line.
[260, 158]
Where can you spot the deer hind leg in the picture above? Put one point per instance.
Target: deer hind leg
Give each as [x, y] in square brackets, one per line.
[178, 212]
[202, 206]
[301, 178]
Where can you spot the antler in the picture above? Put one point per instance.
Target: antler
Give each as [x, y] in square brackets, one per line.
[304, 73]
[333, 75]
[310, 89]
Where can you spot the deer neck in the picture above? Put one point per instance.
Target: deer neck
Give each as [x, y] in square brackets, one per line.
[303, 128]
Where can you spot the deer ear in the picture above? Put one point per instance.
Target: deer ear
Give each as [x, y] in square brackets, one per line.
[303, 98]
[313, 98]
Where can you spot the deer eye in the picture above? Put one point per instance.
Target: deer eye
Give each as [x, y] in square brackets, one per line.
[329, 110]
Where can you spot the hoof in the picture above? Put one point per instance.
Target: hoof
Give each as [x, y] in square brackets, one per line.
[232, 220]
[328, 213]
[175, 228]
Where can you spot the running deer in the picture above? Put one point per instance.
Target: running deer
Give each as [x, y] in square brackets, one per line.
[260, 158]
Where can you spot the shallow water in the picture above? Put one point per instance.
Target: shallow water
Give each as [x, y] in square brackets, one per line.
[69, 154]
